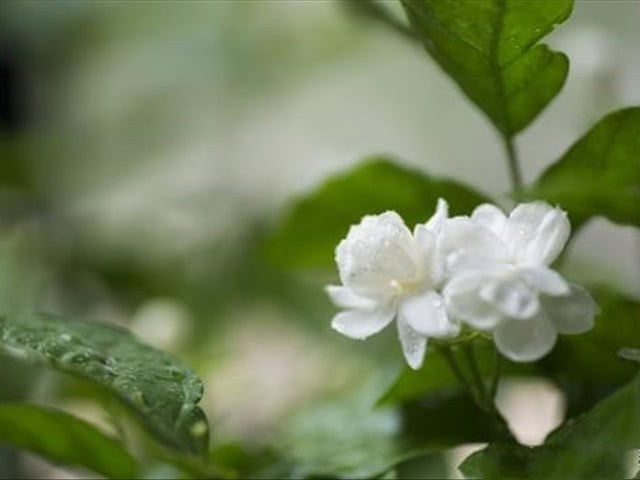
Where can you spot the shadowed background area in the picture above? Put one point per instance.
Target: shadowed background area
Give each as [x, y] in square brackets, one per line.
[147, 147]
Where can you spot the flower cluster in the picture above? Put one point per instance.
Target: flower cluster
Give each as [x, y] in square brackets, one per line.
[488, 271]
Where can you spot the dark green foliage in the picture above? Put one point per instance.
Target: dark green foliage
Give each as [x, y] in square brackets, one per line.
[64, 439]
[593, 446]
[490, 49]
[600, 173]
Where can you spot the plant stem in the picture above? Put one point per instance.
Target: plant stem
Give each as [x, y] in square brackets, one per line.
[486, 402]
[496, 376]
[514, 165]
[455, 369]
[475, 371]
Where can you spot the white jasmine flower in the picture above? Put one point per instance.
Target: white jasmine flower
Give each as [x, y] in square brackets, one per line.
[501, 280]
[389, 273]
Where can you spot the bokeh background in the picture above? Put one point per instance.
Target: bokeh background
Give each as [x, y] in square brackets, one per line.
[147, 148]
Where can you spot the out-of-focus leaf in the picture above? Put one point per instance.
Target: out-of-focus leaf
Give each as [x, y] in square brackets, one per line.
[311, 229]
[432, 465]
[346, 438]
[414, 384]
[351, 438]
[600, 174]
[448, 418]
[64, 439]
[9, 463]
[160, 390]
[234, 460]
[490, 49]
[20, 270]
[592, 447]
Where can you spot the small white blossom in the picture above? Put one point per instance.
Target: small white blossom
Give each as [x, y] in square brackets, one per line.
[501, 280]
[388, 273]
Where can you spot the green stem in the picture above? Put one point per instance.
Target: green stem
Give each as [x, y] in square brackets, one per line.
[497, 367]
[475, 371]
[455, 369]
[514, 165]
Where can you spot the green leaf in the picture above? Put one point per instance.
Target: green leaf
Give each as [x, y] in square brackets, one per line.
[345, 438]
[161, 391]
[309, 232]
[591, 447]
[64, 439]
[600, 174]
[432, 465]
[490, 49]
[351, 438]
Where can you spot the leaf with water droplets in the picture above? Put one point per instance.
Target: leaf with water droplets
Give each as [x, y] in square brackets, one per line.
[160, 390]
[490, 49]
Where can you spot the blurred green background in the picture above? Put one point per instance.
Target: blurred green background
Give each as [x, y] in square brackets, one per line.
[146, 149]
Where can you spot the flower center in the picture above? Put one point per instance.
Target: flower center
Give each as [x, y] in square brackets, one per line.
[406, 287]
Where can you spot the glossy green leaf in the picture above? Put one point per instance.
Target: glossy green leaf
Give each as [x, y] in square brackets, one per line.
[64, 439]
[600, 173]
[592, 447]
[490, 49]
[161, 391]
[308, 233]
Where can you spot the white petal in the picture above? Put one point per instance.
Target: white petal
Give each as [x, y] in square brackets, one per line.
[360, 324]
[428, 238]
[437, 220]
[573, 313]
[461, 234]
[537, 232]
[461, 262]
[424, 237]
[413, 344]
[426, 314]
[491, 217]
[462, 299]
[344, 297]
[550, 238]
[511, 296]
[525, 340]
[523, 222]
[428, 254]
[377, 251]
[545, 280]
